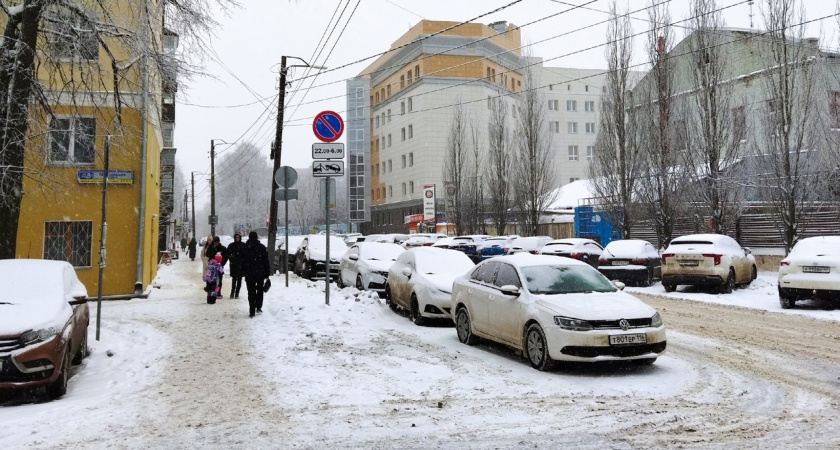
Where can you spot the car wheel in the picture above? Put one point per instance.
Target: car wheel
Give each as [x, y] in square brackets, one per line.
[669, 287]
[415, 311]
[388, 300]
[648, 280]
[785, 301]
[83, 350]
[359, 284]
[536, 348]
[340, 281]
[753, 275]
[729, 285]
[59, 387]
[464, 327]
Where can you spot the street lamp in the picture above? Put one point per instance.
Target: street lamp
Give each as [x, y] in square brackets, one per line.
[277, 152]
[213, 218]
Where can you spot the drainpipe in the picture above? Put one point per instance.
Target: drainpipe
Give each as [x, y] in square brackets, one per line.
[144, 136]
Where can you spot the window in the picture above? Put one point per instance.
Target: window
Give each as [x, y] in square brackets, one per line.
[382, 145]
[69, 241]
[383, 118]
[402, 81]
[389, 139]
[568, 87]
[590, 127]
[382, 94]
[402, 132]
[383, 167]
[417, 72]
[377, 97]
[391, 191]
[390, 166]
[571, 105]
[590, 152]
[573, 179]
[73, 140]
[377, 121]
[408, 78]
[507, 276]
[402, 108]
[389, 115]
[489, 102]
[550, 87]
[410, 159]
[586, 88]
[572, 127]
[553, 105]
[410, 131]
[403, 189]
[488, 74]
[410, 104]
[388, 90]
[411, 187]
[70, 37]
[573, 153]
[554, 127]
[739, 120]
[403, 161]
[589, 106]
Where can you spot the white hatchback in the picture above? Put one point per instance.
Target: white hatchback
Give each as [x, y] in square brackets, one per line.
[554, 309]
[811, 270]
[707, 260]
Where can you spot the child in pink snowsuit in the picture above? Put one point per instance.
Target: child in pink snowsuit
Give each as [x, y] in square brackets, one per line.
[211, 277]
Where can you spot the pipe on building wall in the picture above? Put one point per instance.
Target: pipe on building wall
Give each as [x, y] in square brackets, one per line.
[144, 136]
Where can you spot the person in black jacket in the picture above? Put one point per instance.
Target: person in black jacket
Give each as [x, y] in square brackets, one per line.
[210, 252]
[192, 247]
[256, 269]
[234, 251]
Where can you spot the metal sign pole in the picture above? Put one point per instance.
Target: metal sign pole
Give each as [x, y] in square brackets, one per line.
[286, 256]
[103, 236]
[327, 215]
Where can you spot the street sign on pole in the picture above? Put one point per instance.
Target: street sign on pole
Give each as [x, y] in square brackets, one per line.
[328, 126]
[284, 195]
[212, 220]
[327, 168]
[285, 177]
[321, 150]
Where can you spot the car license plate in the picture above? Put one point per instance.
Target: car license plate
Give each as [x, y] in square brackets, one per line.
[815, 269]
[628, 339]
[620, 263]
[690, 263]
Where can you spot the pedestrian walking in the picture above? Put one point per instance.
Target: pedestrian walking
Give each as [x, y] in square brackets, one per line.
[183, 244]
[192, 248]
[234, 251]
[213, 278]
[256, 269]
[215, 247]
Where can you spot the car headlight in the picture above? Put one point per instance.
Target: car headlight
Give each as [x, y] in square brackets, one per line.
[33, 336]
[567, 323]
[656, 321]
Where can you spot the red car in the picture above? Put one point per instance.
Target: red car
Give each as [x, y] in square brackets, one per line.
[44, 320]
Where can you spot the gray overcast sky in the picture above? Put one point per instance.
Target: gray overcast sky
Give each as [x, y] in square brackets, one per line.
[251, 40]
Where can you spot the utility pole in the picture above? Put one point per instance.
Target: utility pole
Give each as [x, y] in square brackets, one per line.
[276, 153]
[192, 176]
[213, 187]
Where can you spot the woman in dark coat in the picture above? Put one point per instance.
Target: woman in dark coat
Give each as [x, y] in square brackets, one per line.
[192, 246]
[255, 267]
[234, 251]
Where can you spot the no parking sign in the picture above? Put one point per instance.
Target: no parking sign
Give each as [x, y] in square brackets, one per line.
[328, 126]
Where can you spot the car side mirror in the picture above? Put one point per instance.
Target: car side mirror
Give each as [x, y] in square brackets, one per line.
[406, 271]
[510, 289]
[353, 257]
[619, 285]
[80, 300]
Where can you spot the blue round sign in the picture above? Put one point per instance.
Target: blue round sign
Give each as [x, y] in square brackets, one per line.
[328, 126]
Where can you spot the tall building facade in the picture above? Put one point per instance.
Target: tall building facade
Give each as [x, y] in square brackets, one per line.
[412, 94]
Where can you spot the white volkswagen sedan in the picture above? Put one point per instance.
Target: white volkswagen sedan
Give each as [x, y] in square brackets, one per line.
[811, 270]
[554, 309]
[707, 260]
[365, 265]
[421, 281]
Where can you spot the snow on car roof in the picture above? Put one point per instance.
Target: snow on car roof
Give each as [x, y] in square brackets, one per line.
[33, 279]
[379, 250]
[526, 259]
[440, 260]
[700, 237]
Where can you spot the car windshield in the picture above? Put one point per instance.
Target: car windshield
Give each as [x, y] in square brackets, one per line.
[560, 279]
[453, 262]
[626, 249]
[691, 243]
[381, 252]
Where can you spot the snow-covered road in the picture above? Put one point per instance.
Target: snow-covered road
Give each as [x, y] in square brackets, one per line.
[184, 374]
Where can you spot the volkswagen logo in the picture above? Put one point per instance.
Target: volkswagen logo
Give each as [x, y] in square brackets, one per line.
[624, 324]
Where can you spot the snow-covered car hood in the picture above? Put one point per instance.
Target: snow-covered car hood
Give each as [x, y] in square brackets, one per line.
[378, 265]
[442, 281]
[320, 254]
[596, 306]
[19, 317]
